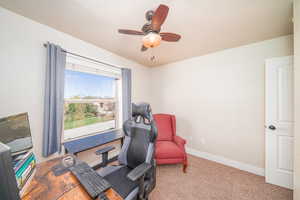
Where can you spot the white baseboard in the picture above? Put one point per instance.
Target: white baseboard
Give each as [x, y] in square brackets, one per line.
[225, 161]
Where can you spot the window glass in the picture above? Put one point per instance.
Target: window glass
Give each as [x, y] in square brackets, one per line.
[90, 104]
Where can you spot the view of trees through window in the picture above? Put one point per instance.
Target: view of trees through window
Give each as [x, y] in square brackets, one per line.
[82, 114]
[90, 103]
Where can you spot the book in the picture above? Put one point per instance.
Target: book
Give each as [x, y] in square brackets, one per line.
[25, 164]
[25, 169]
[25, 186]
[21, 180]
[20, 159]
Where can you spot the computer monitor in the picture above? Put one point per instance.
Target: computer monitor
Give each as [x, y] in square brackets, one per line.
[15, 133]
[8, 184]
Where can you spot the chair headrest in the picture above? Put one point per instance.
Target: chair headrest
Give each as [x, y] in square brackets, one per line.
[142, 118]
[143, 110]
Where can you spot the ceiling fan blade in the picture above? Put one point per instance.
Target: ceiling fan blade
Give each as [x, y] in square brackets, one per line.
[130, 32]
[143, 48]
[159, 17]
[170, 37]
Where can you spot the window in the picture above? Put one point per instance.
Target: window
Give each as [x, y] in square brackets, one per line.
[91, 99]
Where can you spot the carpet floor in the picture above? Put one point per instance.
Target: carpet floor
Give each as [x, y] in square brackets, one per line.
[207, 180]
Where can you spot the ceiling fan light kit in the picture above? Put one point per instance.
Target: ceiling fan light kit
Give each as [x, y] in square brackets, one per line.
[151, 30]
[151, 40]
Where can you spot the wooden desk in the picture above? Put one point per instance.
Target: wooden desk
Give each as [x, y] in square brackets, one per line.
[46, 186]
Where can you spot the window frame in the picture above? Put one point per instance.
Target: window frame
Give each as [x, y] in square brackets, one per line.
[78, 64]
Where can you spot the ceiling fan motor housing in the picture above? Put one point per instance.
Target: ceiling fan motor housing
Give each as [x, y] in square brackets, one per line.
[149, 15]
[146, 28]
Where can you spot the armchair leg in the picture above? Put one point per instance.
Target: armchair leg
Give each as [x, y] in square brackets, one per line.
[184, 168]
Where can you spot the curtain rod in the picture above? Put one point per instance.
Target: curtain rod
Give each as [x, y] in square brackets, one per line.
[75, 54]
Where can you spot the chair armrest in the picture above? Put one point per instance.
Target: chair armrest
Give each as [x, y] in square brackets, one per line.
[105, 150]
[179, 140]
[139, 171]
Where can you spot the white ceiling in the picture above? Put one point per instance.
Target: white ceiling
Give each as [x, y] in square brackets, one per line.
[205, 25]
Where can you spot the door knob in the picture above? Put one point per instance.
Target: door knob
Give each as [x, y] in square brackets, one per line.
[271, 127]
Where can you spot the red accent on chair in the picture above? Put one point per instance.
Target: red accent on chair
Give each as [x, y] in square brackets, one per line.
[169, 147]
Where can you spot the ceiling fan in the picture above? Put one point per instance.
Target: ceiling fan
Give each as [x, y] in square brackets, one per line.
[151, 30]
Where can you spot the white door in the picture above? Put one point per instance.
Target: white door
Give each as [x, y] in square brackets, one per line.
[279, 121]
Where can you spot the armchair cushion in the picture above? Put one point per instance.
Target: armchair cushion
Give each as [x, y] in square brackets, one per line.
[179, 140]
[166, 125]
[167, 150]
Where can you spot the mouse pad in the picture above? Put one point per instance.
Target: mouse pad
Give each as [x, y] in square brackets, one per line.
[63, 167]
[59, 169]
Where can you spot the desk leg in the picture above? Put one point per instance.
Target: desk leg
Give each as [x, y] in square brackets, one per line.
[122, 141]
[100, 165]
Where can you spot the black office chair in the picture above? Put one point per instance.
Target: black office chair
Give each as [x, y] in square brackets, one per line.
[135, 177]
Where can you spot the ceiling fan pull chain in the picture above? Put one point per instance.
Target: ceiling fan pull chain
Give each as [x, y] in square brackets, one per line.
[152, 56]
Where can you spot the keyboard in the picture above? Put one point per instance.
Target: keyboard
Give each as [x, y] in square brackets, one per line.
[93, 183]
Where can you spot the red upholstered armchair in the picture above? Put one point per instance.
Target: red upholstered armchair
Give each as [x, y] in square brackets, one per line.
[169, 147]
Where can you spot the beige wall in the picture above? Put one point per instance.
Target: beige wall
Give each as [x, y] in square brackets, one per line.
[297, 98]
[218, 99]
[22, 68]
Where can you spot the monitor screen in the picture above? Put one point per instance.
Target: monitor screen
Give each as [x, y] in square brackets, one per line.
[15, 132]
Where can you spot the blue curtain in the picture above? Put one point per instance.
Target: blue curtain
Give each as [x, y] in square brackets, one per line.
[126, 93]
[54, 99]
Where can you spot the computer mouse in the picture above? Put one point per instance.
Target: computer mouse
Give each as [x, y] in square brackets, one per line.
[68, 161]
